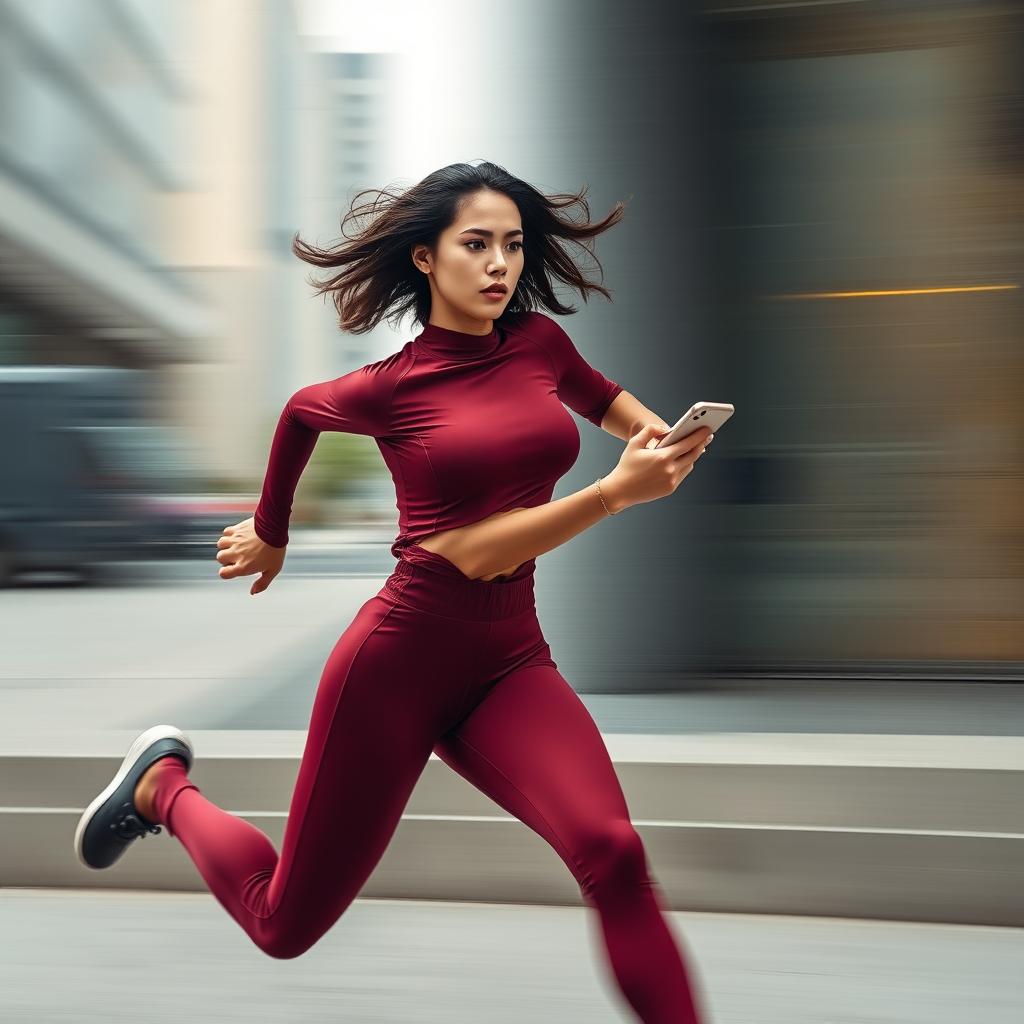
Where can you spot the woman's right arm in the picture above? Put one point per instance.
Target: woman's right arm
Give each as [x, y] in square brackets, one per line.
[294, 440]
[350, 404]
[256, 544]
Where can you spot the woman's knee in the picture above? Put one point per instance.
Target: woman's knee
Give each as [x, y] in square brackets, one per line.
[286, 943]
[281, 946]
[612, 855]
[288, 931]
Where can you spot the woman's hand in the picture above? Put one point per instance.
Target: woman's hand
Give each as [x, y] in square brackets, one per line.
[241, 553]
[644, 474]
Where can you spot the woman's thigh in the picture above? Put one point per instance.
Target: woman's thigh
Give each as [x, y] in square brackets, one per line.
[389, 688]
[533, 747]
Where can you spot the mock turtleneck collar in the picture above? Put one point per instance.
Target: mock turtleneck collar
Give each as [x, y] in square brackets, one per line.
[443, 341]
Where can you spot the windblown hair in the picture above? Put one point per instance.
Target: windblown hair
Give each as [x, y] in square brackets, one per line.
[377, 279]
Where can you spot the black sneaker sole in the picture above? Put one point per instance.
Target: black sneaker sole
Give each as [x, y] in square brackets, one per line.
[97, 843]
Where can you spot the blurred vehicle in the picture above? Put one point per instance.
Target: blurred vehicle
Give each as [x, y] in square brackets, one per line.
[62, 507]
[158, 472]
[85, 480]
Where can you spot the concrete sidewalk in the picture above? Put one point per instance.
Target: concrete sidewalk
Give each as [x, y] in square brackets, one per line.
[108, 956]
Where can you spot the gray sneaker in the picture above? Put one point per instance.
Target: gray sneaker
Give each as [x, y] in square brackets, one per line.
[112, 822]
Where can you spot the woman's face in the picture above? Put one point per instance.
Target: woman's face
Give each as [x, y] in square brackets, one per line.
[484, 246]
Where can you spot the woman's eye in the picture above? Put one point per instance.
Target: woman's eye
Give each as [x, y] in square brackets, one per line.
[477, 241]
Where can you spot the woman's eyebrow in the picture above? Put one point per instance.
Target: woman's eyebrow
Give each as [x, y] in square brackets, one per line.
[484, 231]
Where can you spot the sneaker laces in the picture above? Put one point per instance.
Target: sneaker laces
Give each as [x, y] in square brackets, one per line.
[129, 825]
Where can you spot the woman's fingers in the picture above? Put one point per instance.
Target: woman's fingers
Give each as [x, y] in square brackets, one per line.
[232, 563]
[696, 451]
[227, 563]
[229, 572]
[226, 554]
[241, 553]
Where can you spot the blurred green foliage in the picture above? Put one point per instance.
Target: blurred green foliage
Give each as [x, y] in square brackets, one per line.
[338, 464]
[335, 469]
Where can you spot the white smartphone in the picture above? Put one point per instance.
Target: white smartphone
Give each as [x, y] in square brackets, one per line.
[700, 414]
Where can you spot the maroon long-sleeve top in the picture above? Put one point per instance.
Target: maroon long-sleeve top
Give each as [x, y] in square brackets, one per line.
[469, 425]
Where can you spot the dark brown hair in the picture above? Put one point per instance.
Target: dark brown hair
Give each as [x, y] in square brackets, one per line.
[378, 279]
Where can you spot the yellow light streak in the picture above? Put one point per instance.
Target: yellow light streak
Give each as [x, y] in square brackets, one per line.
[898, 291]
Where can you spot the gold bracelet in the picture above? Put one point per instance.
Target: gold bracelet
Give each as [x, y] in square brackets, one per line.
[601, 496]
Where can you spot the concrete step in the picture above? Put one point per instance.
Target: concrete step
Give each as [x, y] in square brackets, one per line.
[927, 828]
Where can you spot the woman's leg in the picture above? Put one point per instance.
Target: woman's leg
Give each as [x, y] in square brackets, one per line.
[532, 746]
[376, 715]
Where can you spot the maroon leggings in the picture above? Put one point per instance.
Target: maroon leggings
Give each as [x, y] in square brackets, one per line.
[436, 661]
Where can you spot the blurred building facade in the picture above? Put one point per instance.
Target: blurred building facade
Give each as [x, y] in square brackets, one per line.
[844, 263]
[156, 161]
[230, 229]
[869, 233]
[93, 112]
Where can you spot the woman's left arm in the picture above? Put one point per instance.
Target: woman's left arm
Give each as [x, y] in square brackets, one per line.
[627, 415]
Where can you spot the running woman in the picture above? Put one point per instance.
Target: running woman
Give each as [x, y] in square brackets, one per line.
[448, 656]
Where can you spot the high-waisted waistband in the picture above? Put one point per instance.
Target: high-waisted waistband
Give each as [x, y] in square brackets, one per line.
[427, 580]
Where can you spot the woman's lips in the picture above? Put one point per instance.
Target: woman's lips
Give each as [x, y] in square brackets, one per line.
[494, 294]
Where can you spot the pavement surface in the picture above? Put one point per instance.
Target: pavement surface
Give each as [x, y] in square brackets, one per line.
[106, 956]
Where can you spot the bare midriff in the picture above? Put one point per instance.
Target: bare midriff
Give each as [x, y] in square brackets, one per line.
[443, 543]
